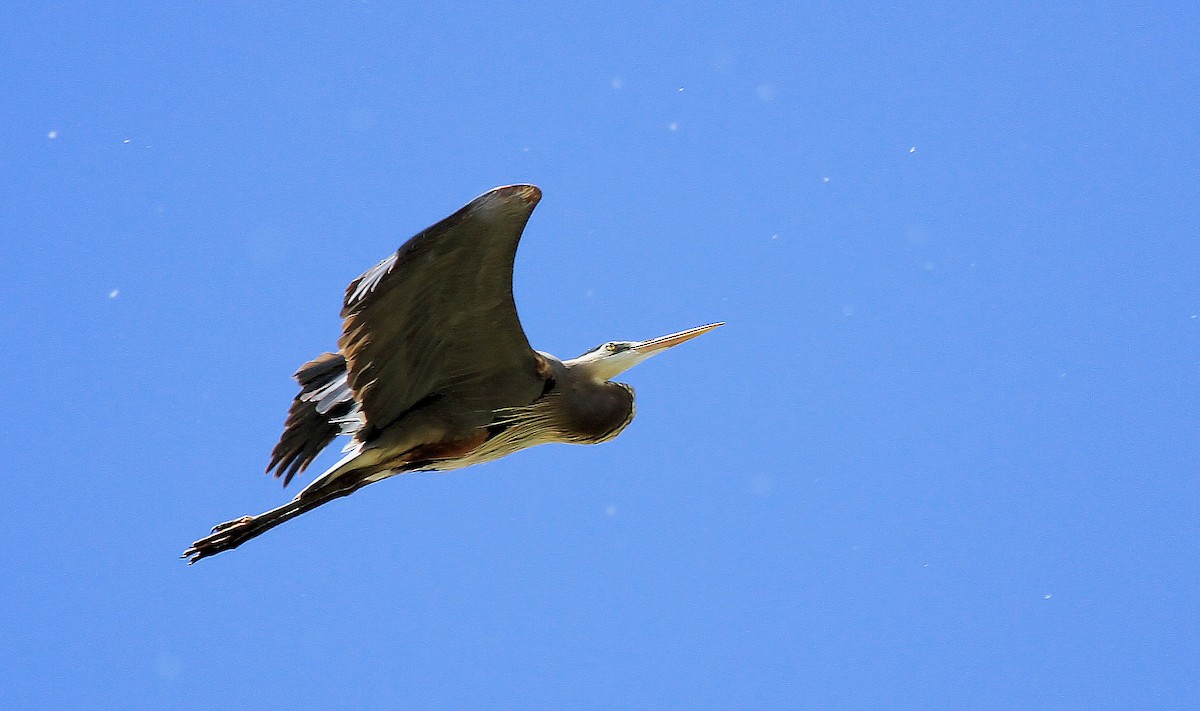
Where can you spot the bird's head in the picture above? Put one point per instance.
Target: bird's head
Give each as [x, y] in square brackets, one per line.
[608, 360]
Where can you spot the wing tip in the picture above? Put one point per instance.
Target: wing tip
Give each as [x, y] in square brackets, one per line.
[509, 200]
[526, 193]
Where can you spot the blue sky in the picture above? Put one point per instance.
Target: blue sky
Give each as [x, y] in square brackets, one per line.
[943, 455]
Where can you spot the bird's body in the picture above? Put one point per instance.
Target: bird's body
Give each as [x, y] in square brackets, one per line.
[434, 370]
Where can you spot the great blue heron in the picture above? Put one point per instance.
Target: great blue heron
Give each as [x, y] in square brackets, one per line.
[434, 370]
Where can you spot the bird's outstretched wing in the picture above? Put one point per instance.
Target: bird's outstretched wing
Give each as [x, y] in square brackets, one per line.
[437, 318]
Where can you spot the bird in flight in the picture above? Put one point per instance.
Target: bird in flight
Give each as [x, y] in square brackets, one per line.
[433, 370]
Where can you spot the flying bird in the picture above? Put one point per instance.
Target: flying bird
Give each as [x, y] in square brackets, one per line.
[433, 370]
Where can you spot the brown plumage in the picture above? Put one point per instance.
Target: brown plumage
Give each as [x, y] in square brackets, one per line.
[434, 370]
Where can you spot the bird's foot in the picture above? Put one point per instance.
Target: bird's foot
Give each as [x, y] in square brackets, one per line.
[230, 524]
[224, 536]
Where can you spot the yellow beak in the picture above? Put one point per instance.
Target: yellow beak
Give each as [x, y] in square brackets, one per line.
[662, 343]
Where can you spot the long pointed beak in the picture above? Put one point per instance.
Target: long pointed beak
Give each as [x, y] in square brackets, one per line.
[662, 343]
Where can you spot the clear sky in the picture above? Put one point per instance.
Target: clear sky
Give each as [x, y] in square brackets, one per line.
[943, 455]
